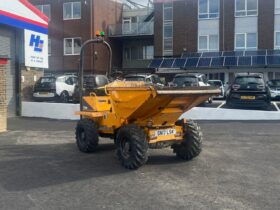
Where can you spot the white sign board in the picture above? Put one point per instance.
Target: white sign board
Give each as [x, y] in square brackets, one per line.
[36, 49]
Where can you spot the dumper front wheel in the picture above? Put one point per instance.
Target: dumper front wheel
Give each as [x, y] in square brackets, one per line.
[87, 135]
[192, 143]
[132, 146]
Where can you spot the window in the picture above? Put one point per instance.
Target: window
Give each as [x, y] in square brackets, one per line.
[127, 53]
[148, 52]
[139, 52]
[246, 41]
[46, 9]
[277, 6]
[209, 9]
[246, 8]
[168, 12]
[277, 40]
[208, 43]
[72, 10]
[72, 46]
[71, 80]
[167, 29]
[49, 47]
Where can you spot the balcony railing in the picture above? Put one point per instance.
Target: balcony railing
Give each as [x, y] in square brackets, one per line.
[134, 64]
[132, 29]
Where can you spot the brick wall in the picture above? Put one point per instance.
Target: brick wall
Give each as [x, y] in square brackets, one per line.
[266, 24]
[3, 105]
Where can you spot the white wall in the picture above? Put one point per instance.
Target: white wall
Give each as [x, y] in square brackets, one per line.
[246, 24]
[67, 111]
[206, 27]
[50, 110]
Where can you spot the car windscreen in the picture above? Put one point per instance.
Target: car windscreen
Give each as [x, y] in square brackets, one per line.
[44, 80]
[274, 83]
[249, 80]
[136, 79]
[156, 80]
[181, 80]
[215, 83]
[89, 82]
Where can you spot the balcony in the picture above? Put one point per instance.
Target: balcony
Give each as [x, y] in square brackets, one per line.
[136, 64]
[132, 29]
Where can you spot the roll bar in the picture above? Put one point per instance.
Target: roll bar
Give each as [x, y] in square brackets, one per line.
[81, 66]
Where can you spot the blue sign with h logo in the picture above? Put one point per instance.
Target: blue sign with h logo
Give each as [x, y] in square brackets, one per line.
[37, 43]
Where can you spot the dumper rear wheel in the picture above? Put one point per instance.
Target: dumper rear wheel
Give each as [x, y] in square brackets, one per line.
[132, 146]
[87, 135]
[192, 143]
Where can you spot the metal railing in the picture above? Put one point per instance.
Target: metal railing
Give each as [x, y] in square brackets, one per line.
[136, 63]
[132, 29]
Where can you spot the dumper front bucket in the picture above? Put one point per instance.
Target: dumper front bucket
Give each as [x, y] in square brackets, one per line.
[142, 104]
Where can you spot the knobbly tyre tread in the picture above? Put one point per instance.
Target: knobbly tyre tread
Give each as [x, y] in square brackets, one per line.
[192, 143]
[91, 142]
[139, 146]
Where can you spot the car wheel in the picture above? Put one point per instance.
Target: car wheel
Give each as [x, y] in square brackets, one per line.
[64, 97]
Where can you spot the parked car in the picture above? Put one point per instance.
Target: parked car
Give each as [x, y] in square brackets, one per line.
[274, 86]
[190, 80]
[92, 83]
[218, 84]
[147, 78]
[249, 90]
[51, 88]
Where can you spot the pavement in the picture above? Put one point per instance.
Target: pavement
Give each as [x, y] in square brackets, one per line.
[41, 168]
[221, 104]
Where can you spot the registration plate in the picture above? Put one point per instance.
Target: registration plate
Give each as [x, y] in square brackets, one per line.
[43, 93]
[248, 97]
[165, 132]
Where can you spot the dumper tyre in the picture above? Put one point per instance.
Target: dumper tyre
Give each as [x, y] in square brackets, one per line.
[192, 143]
[87, 136]
[132, 146]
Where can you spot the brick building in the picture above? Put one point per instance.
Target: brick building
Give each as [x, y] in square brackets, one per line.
[15, 17]
[135, 35]
[217, 37]
[3, 104]
[71, 22]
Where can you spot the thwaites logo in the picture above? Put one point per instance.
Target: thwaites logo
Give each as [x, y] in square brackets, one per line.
[37, 43]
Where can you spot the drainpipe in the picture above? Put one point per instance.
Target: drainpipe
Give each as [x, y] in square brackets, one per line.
[91, 35]
[223, 25]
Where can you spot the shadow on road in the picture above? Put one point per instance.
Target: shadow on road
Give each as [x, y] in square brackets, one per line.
[32, 166]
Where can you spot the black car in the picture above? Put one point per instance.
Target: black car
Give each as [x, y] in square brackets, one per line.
[92, 83]
[249, 90]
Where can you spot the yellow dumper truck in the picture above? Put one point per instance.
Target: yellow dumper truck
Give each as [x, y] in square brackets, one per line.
[139, 116]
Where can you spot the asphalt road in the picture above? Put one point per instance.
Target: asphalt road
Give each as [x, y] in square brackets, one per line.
[40, 168]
